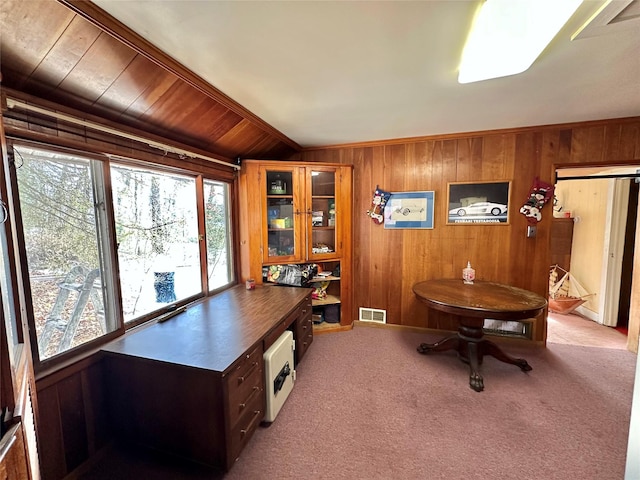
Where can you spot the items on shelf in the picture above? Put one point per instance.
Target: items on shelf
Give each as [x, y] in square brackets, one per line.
[278, 186]
[320, 290]
[317, 218]
[297, 275]
[317, 316]
[321, 248]
[332, 214]
[280, 222]
[332, 313]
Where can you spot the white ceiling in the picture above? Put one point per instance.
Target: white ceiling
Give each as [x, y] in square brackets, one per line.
[326, 73]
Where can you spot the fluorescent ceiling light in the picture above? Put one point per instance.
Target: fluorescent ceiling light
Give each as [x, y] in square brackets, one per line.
[508, 35]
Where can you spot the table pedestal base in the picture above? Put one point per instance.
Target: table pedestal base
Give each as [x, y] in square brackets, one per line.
[472, 347]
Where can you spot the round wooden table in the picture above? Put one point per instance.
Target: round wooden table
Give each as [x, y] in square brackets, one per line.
[473, 303]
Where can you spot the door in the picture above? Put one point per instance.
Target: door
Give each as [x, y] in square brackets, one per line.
[613, 251]
[627, 257]
[283, 214]
[323, 216]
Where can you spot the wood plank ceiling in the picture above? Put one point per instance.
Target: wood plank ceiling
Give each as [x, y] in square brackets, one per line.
[72, 53]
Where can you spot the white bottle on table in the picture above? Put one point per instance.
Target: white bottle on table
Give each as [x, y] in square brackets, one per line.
[468, 274]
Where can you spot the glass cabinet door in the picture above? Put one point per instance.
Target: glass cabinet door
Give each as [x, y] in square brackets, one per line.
[323, 213]
[282, 240]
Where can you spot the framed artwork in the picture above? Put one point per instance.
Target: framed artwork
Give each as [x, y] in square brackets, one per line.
[409, 210]
[472, 203]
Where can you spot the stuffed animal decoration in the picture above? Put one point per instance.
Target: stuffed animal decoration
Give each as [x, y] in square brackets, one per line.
[540, 193]
[380, 199]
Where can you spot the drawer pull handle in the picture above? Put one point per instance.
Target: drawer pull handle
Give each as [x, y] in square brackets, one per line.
[251, 395]
[247, 357]
[256, 415]
[248, 374]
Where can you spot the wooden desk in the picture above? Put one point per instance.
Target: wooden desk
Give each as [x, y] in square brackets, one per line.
[473, 304]
[193, 386]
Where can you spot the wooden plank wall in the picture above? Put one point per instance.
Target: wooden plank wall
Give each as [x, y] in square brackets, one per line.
[73, 417]
[388, 262]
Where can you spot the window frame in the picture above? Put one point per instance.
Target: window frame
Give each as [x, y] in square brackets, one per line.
[25, 283]
[43, 367]
[232, 229]
[12, 351]
[187, 300]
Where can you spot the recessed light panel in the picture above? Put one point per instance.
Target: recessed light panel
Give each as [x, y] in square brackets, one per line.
[508, 35]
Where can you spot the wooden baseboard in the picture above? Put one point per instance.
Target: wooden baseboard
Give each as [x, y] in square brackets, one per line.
[325, 327]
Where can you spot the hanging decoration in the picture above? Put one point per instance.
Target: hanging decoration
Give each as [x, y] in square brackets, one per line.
[540, 193]
[380, 199]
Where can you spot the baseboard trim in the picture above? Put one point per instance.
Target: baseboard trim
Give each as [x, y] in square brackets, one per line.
[589, 314]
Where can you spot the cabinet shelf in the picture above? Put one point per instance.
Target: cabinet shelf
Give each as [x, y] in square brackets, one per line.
[328, 300]
[328, 278]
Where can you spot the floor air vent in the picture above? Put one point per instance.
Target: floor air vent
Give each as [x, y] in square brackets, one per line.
[373, 315]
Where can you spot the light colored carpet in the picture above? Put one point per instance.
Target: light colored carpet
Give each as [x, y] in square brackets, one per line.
[576, 330]
[367, 406]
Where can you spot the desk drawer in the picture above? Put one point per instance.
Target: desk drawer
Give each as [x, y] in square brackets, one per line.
[303, 345]
[304, 335]
[306, 307]
[242, 431]
[245, 369]
[245, 394]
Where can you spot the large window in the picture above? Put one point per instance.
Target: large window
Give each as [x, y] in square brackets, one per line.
[157, 233]
[62, 204]
[102, 259]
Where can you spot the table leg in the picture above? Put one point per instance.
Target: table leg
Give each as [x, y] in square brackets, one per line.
[448, 343]
[472, 345]
[476, 381]
[471, 339]
[490, 348]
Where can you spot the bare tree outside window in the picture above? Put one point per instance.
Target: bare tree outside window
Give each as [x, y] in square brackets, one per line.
[65, 220]
[157, 234]
[62, 243]
[217, 227]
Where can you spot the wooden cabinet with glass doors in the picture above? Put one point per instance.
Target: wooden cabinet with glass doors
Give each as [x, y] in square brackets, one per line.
[294, 213]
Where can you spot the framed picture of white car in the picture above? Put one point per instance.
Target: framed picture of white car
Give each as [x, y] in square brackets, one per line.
[473, 203]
